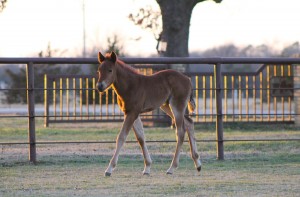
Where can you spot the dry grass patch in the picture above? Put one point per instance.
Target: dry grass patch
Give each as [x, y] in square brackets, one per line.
[249, 169]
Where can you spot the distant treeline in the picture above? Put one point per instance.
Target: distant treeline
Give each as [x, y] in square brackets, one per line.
[14, 75]
[230, 50]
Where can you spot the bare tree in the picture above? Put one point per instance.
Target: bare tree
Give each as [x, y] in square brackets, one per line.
[174, 34]
[149, 19]
[176, 17]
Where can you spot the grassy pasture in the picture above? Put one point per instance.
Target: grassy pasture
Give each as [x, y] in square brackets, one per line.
[249, 168]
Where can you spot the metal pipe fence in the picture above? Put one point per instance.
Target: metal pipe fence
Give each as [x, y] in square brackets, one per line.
[266, 95]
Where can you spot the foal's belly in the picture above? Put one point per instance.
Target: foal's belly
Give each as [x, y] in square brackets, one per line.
[156, 94]
[152, 103]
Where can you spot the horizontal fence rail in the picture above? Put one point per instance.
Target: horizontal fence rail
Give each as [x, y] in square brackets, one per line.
[160, 60]
[268, 94]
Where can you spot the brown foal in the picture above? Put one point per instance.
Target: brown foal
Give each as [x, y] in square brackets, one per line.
[168, 90]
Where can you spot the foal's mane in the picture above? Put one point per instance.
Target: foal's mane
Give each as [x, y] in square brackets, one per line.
[127, 67]
[122, 64]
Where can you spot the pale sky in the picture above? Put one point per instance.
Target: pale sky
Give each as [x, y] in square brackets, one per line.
[26, 27]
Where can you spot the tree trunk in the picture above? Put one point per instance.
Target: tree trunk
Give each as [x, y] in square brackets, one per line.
[176, 16]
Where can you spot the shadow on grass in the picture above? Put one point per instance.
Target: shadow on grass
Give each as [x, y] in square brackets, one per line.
[231, 161]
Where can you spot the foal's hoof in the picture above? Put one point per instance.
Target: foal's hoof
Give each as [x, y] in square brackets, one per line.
[170, 170]
[146, 173]
[107, 174]
[199, 168]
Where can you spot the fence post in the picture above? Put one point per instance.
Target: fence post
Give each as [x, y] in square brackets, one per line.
[46, 101]
[31, 112]
[219, 114]
[296, 87]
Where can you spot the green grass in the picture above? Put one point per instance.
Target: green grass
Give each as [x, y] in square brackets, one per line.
[249, 168]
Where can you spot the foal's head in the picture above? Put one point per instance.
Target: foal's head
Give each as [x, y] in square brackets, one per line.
[106, 70]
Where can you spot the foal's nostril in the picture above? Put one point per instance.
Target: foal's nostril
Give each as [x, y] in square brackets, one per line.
[100, 87]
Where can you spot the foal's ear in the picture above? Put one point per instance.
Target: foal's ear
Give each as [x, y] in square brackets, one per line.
[113, 57]
[101, 58]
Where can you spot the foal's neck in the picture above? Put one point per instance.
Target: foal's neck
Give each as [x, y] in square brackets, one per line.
[126, 78]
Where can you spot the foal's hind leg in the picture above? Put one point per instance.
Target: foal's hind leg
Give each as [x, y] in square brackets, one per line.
[139, 134]
[178, 116]
[189, 127]
[166, 108]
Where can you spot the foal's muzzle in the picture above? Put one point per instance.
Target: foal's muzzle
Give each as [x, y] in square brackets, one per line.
[100, 87]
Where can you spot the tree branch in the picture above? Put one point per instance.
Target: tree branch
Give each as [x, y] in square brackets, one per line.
[2, 5]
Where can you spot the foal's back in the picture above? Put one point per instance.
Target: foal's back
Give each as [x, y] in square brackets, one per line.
[165, 85]
[170, 80]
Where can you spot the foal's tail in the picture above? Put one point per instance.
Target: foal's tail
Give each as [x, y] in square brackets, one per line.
[191, 104]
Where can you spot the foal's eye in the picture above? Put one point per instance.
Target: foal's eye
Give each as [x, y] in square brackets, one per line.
[110, 70]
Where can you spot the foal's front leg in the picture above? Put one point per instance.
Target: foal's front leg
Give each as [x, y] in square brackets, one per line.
[127, 124]
[139, 134]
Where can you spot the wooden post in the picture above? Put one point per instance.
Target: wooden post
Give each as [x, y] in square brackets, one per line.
[31, 112]
[297, 94]
[61, 101]
[46, 102]
[219, 119]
